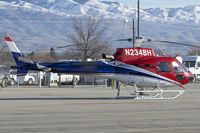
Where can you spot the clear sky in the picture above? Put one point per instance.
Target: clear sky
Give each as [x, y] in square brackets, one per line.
[161, 3]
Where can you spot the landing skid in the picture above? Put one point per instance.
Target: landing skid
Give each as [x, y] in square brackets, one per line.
[154, 93]
[157, 93]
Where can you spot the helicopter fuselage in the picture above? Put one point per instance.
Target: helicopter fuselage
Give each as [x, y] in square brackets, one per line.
[146, 58]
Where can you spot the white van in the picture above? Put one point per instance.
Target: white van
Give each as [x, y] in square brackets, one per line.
[193, 63]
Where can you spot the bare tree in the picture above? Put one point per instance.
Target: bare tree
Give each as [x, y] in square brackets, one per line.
[41, 57]
[87, 38]
[5, 56]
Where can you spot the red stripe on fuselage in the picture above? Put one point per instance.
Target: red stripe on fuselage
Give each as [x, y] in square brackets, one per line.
[8, 39]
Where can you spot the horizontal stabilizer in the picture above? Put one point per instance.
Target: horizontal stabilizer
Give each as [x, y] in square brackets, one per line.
[25, 60]
[43, 68]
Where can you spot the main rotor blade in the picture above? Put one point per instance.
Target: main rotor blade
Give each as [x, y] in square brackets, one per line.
[160, 41]
[178, 43]
[66, 46]
[128, 39]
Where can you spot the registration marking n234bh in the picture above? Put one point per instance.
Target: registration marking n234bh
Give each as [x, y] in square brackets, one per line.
[141, 52]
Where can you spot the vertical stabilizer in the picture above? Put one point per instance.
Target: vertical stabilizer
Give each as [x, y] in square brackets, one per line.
[14, 50]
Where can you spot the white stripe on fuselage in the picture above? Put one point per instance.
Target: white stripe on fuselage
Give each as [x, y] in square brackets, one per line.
[142, 81]
[137, 69]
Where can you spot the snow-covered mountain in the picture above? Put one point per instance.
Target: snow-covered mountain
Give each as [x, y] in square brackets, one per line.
[105, 9]
[189, 14]
[50, 20]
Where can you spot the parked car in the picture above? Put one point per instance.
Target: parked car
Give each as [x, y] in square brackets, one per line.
[9, 77]
[27, 79]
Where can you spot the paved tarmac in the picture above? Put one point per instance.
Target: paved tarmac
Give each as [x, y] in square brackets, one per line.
[94, 110]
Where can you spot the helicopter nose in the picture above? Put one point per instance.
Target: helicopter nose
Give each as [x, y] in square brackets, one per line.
[191, 78]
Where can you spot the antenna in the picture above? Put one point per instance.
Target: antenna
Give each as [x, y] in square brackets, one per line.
[133, 32]
[138, 17]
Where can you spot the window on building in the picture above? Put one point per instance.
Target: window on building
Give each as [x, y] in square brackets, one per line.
[198, 65]
[189, 64]
[192, 63]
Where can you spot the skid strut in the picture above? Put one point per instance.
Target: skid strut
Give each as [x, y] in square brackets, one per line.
[157, 93]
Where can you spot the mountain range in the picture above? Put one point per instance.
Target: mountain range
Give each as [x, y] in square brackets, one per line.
[40, 24]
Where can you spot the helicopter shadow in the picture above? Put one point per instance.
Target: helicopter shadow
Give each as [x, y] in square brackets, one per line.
[64, 98]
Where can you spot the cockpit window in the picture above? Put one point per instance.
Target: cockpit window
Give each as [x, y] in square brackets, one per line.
[176, 67]
[184, 68]
[164, 67]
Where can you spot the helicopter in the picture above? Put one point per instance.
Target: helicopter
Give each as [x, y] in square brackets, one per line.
[149, 74]
[138, 67]
[146, 58]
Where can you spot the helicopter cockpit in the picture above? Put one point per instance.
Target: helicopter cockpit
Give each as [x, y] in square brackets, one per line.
[181, 71]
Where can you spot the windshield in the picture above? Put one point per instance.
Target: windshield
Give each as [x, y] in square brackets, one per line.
[176, 67]
[184, 68]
